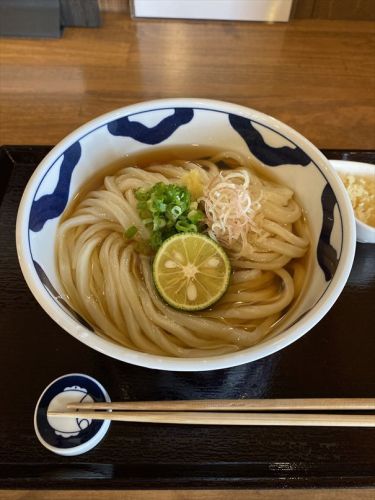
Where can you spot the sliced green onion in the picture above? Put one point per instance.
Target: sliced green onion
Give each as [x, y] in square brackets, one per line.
[195, 216]
[176, 211]
[166, 209]
[141, 194]
[130, 232]
[186, 227]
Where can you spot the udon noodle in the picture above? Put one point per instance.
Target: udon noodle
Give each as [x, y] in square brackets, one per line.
[109, 282]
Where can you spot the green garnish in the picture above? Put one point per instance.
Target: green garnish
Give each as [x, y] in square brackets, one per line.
[130, 232]
[167, 209]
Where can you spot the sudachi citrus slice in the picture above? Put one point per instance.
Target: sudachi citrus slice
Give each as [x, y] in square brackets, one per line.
[191, 271]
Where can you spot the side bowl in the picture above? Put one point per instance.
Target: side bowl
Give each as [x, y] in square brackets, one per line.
[267, 142]
[365, 233]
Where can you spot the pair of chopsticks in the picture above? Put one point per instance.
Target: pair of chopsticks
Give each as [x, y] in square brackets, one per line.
[230, 412]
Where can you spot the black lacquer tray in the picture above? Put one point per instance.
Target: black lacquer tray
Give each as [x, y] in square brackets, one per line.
[335, 359]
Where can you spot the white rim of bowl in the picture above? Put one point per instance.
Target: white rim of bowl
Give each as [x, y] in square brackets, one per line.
[253, 353]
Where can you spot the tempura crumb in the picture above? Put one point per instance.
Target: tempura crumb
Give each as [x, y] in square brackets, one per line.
[361, 191]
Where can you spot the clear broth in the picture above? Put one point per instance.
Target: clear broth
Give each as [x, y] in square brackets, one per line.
[160, 155]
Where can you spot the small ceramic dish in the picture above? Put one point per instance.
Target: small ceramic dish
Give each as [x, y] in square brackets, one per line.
[365, 233]
[70, 436]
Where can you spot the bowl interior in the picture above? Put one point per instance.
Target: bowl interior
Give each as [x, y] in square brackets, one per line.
[268, 143]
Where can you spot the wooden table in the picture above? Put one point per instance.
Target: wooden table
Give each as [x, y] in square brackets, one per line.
[349, 494]
[317, 76]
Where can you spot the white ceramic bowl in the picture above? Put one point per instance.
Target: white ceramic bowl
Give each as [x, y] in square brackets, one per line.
[292, 158]
[365, 233]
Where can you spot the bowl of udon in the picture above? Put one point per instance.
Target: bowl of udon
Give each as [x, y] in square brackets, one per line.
[185, 234]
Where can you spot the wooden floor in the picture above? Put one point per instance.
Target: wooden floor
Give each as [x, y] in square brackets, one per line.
[317, 76]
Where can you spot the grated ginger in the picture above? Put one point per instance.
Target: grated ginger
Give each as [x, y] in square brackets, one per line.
[362, 195]
[193, 182]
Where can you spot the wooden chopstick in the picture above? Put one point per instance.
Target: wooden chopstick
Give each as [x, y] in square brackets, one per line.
[321, 404]
[213, 418]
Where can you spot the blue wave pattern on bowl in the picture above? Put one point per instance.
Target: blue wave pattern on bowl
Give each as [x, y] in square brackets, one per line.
[55, 294]
[326, 253]
[151, 135]
[50, 206]
[271, 156]
[275, 157]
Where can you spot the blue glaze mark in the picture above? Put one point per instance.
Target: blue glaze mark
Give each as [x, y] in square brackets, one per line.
[151, 135]
[327, 255]
[46, 282]
[52, 205]
[273, 157]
